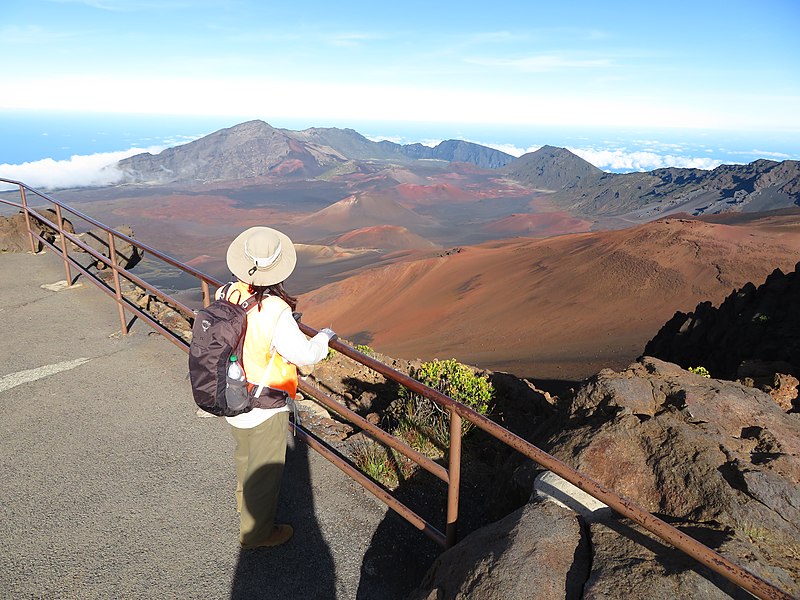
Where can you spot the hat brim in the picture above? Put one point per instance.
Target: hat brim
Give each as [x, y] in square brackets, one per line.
[241, 266]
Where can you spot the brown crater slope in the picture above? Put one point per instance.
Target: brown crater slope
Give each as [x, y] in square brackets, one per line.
[383, 237]
[361, 210]
[560, 308]
[539, 224]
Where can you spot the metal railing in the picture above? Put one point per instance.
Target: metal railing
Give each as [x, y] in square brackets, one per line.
[457, 411]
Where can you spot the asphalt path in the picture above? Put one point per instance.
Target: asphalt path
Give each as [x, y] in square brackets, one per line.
[112, 487]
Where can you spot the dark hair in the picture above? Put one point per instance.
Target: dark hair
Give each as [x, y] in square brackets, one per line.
[273, 290]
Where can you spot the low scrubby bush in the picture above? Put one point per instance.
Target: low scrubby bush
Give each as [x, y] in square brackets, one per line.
[453, 379]
[702, 371]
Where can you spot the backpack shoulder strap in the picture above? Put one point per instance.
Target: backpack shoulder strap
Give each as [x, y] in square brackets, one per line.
[249, 304]
[222, 293]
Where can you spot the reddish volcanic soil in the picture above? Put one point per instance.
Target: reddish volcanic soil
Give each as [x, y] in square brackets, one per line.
[182, 225]
[361, 210]
[539, 224]
[559, 308]
[416, 195]
[385, 237]
[202, 210]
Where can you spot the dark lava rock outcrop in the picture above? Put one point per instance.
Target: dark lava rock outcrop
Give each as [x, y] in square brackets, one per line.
[716, 459]
[537, 552]
[753, 336]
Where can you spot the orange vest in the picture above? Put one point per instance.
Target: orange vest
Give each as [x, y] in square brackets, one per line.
[258, 356]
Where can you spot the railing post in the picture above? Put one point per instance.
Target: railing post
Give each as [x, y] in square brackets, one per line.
[454, 470]
[64, 253]
[24, 201]
[112, 251]
[206, 294]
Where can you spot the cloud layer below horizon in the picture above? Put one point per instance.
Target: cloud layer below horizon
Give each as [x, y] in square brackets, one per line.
[80, 170]
[98, 170]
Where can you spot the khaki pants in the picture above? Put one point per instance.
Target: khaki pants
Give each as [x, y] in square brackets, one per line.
[260, 456]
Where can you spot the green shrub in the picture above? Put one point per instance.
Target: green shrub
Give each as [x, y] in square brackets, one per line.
[364, 349]
[453, 379]
[702, 371]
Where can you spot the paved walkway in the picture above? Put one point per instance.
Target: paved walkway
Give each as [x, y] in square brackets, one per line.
[111, 487]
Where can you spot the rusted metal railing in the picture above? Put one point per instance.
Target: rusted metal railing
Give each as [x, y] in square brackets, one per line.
[457, 411]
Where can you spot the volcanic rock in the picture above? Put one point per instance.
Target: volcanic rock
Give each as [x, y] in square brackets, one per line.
[14, 231]
[626, 557]
[537, 552]
[697, 449]
[127, 254]
[14, 234]
[716, 459]
[753, 335]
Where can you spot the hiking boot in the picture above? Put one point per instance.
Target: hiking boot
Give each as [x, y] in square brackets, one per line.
[280, 535]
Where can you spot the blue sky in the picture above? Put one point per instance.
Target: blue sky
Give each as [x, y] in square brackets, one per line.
[727, 65]
[690, 84]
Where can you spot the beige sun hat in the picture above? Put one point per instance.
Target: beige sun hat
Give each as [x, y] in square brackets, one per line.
[261, 256]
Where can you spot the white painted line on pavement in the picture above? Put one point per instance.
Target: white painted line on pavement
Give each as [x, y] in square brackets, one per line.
[14, 379]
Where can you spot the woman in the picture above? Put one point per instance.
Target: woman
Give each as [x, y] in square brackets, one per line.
[261, 258]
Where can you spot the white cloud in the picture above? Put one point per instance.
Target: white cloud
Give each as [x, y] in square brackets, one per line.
[762, 153]
[396, 139]
[510, 148]
[623, 160]
[93, 170]
[540, 63]
[243, 97]
[431, 143]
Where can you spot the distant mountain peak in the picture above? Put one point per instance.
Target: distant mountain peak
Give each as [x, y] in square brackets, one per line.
[257, 149]
[552, 168]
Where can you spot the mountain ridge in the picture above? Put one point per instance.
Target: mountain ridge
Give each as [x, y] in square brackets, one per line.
[257, 152]
[758, 186]
[256, 149]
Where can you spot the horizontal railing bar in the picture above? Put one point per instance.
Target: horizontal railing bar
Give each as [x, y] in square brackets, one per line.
[376, 432]
[393, 374]
[11, 203]
[378, 491]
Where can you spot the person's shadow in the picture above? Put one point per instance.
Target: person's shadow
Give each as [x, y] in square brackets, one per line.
[302, 567]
